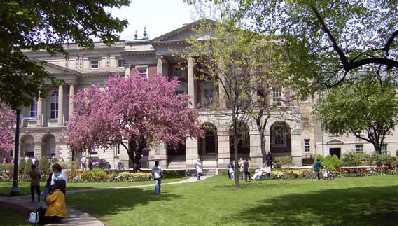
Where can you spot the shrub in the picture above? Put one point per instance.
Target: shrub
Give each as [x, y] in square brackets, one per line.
[132, 177]
[6, 171]
[331, 162]
[95, 175]
[280, 161]
[355, 159]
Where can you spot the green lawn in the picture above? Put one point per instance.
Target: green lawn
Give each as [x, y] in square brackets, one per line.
[25, 186]
[344, 201]
[12, 217]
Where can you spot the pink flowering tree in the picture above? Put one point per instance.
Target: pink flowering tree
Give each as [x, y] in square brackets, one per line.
[7, 121]
[142, 111]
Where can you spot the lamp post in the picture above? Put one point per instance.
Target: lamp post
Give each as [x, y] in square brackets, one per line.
[15, 189]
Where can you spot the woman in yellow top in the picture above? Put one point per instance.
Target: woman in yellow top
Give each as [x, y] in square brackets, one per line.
[56, 205]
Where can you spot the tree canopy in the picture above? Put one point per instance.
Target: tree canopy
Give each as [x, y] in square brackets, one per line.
[366, 109]
[340, 36]
[47, 25]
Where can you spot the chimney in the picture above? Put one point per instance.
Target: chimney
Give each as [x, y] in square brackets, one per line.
[135, 35]
[145, 34]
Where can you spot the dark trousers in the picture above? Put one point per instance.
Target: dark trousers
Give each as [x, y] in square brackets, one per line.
[318, 174]
[33, 189]
[51, 220]
[246, 175]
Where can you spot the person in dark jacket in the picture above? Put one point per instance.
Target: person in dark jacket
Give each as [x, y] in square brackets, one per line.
[268, 159]
[35, 177]
[317, 168]
[246, 173]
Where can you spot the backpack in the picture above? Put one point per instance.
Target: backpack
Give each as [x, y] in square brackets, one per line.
[34, 217]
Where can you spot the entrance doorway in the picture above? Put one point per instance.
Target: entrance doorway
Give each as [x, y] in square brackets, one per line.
[335, 151]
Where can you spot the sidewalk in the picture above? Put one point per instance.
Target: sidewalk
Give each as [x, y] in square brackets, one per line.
[77, 217]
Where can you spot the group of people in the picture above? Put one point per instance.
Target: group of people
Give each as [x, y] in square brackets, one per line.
[54, 207]
[243, 166]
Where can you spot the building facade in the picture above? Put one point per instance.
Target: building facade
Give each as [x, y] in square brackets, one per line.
[297, 134]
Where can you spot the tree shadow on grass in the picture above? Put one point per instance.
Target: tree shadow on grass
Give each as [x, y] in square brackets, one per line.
[110, 202]
[353, 206]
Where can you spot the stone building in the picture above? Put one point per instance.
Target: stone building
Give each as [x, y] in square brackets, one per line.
[298, 134]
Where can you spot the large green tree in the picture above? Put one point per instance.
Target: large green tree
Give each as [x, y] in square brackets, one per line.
[340, 35]
[41, 24]
[367, 109]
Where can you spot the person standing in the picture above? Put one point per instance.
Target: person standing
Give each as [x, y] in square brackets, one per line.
[231, 171]
[317, 168]
[35, 177]
[157, 174]
[199, 168]
[268, 159]
[246, 173]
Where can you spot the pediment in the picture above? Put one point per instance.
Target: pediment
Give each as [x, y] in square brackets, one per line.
[183, 33]
[335, 142]
[54, 69]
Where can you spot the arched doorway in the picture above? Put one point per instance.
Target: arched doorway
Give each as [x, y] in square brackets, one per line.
[280, 140]
[27, 146]
[243, 133]
[207, 145]
[48, 146]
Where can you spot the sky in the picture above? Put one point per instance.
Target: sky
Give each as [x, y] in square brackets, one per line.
[159, 17]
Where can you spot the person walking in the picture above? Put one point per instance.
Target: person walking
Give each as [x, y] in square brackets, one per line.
[246, 173]
[199, 168]
[231, 171]
[157, 174]
[35, 177]
[317, 168]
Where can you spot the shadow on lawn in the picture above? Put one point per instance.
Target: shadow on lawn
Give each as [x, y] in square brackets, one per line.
[111, 202]
[353, 206]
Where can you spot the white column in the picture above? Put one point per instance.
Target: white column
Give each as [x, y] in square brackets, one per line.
[256, 157]
[158, 153]
[71, 100]
[191, 152]
[39, 113]
[224, 154]
[162, 66]
[127, 71]
[60, 105]
[191, 83]
[296, 147]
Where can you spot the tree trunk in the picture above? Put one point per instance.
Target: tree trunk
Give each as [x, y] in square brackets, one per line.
[236, 150]
[15, 189]
[130, 152]
[262, 143]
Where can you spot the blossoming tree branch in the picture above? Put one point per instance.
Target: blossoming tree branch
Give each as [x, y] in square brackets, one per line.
[134, 112]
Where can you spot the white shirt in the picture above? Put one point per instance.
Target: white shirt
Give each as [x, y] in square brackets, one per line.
[58, 176]
[157, 172]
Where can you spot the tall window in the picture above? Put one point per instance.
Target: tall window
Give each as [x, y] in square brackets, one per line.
[33, 109]
[276, 96]
[120, 63]
[307, 145]
[94, 64]
[359, 148]
[142, 70]
[54, 104]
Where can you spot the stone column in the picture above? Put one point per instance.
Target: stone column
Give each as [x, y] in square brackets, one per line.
[191, 152]
[39, 113]
[71, 100]
[162, 67]
[296, 147]
[223, 147]
[191, 82]
[127, 71]
[158, 153]
[256, 157]
[61, 105]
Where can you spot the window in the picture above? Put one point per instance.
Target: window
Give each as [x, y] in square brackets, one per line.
[94, 64]
[359, 148]
[33, 109]
[54, 104]
[142, 70]
[120, 63]
[307, 145]
[276, 96]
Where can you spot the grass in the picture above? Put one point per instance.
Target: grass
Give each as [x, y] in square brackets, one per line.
[12, 217]
[361, 201]
[25, 186]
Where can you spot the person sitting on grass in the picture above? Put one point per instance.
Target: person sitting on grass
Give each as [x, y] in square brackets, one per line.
[56, 209]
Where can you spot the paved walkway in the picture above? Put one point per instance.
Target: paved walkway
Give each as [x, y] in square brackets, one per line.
[77, 217]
